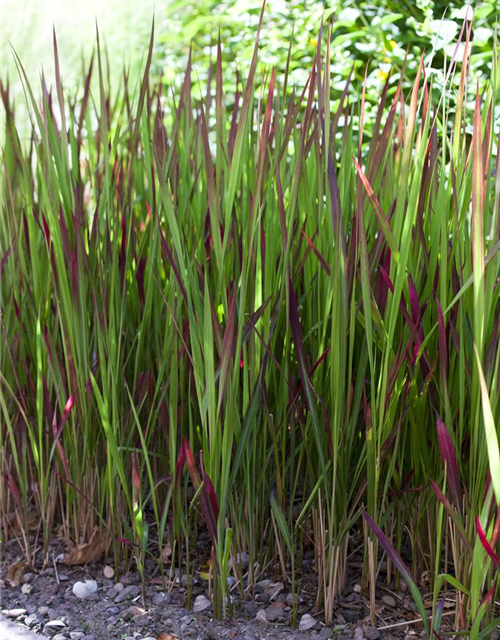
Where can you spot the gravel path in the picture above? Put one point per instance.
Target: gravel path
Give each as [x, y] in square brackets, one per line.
[12, 631]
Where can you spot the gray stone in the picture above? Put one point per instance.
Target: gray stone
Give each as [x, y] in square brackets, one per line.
[161, 599]
[59, 636]
[54, 627]
[33, 620]
[371, 633]
[143, 621]
[63, 577]
[326, 632]
[113, 611]
[388, 600]
[351, 615]
[128, 592]
[43, 610]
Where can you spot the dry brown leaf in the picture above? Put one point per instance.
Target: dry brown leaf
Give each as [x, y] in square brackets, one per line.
[15, 574]
[88, 551]
[166, 552]
[17, 524]
[167, 636]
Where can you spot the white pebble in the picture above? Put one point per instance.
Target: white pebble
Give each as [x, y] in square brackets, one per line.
[84, 589]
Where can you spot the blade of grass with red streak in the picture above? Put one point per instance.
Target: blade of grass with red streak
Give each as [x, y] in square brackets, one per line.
[484, 541]
[401, 567]
[449, 459]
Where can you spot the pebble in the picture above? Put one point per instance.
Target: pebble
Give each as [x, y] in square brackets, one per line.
[349, 615]
[357, 588]
[160, 599]
[43, 611]
[127, 592]
[113, 611]
[33, 620]
[371, 633]
[28, 577]
[76, 635]
[326, 632]
[59, 636]
[84, 589]
[54, 627]
[63, 577]
[261, 616]
[109, 572]
[273, 613]
[358, 633]
[16, 613]
[388, 600]
[26, 589]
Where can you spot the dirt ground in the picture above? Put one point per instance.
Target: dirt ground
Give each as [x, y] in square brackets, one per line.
[47, 601]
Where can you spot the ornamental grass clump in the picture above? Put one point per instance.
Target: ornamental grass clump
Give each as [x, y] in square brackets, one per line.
[257, 332]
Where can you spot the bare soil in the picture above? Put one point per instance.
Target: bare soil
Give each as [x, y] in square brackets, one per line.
[44, 601]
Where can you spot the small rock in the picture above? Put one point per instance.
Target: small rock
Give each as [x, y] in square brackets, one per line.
[84, 589]
[357, 588]
[59, 636]
[326, 632]
[136, 611]
[261, 616]
[16, 613]
[76, 635]
[63, 577]
[54, 627]
[113, 611]
[143, 621]
[371, 633]
[43, 611]
[109, 572]
[26, 589]
[349, 615]
[358, 633]
[388, 600]
[33, 620]
[28, 577]
[160, 599]
[273, 613]
[127, 592]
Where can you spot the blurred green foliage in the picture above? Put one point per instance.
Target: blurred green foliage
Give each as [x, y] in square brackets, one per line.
[376, 33]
